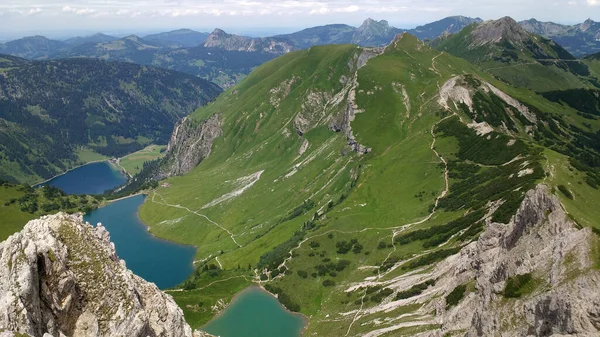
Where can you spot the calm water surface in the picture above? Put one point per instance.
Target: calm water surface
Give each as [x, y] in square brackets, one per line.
[165, 263]
[255, 313]
[94, 178]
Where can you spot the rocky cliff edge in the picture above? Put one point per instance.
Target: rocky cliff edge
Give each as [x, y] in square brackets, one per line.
[60, 276]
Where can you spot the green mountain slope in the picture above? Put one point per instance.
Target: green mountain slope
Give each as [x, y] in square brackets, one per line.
[333, 174]
[51, 109]
[21, 203]
[506, 50]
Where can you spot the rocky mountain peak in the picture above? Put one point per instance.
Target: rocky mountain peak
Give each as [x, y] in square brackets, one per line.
[61, 276]
[133, 38]
[371, 23]
[218, 32]
[217, 37]
[587, 24]
[495, 31]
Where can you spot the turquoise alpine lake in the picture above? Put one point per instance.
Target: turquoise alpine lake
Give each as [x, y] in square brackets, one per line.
[165, 263]
[93, 178]
[255, 313]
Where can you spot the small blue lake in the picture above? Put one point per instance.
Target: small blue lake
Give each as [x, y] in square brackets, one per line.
[93, 178]
[255, 313]
[165, 263]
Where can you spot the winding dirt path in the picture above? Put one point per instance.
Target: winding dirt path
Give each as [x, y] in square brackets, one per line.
[196, 213]
[433, 67]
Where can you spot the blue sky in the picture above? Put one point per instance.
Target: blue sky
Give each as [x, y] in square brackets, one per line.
[37, 16]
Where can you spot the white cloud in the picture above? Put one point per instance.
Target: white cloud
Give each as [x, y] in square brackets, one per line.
[349, 9]
[135, 15]
[34, 11]
[322, 10]
[78, 11]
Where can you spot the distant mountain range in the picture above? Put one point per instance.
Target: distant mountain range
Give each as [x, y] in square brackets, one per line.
[178, 38]
[220, 57]
[580, 39]
[225, 58]
[96, 38]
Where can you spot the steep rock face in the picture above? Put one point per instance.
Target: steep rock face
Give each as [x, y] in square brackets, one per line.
[540, 242]
[374, 33]
[62, 277]
[191, 143]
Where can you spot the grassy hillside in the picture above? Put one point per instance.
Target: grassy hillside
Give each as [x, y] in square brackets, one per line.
[133, 163]
[21, 203]
[53, 109]
[285, 201]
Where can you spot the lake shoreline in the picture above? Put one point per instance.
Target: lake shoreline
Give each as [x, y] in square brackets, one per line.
[258, 287]
[125, 227]
[137, 214]
[67, 171]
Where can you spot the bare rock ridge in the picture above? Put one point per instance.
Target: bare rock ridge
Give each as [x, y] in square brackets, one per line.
[541, 241]
[60, 276]
[496, 30]
[542, 245]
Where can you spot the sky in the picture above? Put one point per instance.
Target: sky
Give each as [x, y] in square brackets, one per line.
[67, 17]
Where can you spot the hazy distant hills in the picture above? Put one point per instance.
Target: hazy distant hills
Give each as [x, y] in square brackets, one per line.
[449, 25]
[225, 58]
[96, 38]
[219, 39]
[178, 38]
[373, 33]
[336, 34]
[580, 39]
[33, 47]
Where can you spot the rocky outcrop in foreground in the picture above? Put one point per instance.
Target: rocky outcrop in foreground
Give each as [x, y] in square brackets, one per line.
[60, 276]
